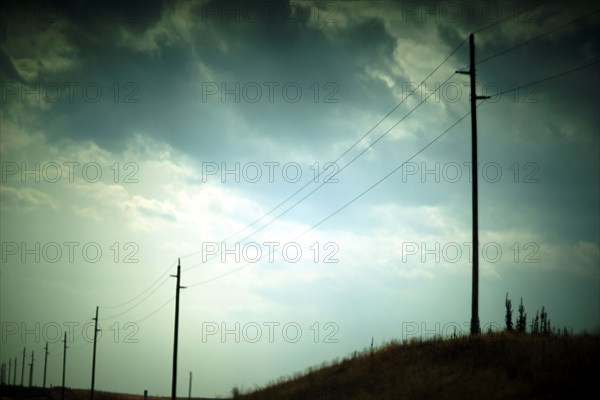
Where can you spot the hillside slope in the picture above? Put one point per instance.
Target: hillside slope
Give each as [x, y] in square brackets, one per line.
[492, 366]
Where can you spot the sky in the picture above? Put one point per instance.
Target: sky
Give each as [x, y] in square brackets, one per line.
[318, 198]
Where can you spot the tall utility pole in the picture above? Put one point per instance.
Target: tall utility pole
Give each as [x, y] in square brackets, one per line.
[190, 388]
[475, 329]
[31, 370]
[62, 390]
[177, 288]
[15, 373]
[9, 370]
[94, 355]
[45, 364]
[23, 367]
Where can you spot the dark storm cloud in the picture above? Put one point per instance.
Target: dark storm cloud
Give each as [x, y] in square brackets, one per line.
[8, 71]
[276, 51]
[162, 92]
[86, 15]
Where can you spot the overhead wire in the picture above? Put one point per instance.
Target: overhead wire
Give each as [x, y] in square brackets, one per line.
[532, 6]
[285, 200]
[481, 61]
[396, 169]
[344, 206]
[344, 167]
[364, 150]
[342, 155]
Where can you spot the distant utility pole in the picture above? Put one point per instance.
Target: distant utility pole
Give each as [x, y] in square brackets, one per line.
[62, 390]
[177, 288]
[23, 367]
[94, 354]
[15, 373]
[190, 388]
[45, 364]
[31, 370]
[475, 329]
[9, 370]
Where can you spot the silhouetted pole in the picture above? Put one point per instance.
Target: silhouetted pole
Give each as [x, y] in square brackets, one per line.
[9, 370]
[62, 391]
[45, 364]
[31, 370]
[15, 373]
[174, 378]
[23, 367]
[190, 388]
[94, 355]
[475, 329]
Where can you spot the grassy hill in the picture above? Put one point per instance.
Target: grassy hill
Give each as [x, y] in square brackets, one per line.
[492, 366]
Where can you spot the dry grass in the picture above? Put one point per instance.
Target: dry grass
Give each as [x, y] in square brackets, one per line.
[492, 366]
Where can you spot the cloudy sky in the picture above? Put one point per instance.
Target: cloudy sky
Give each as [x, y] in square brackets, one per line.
[135, 134]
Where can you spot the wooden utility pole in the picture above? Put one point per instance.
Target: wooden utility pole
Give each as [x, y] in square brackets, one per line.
[190, 388]
[94, 355]
[31, 370]
[23, 367]
[62, 390]
[177, 288]
[475, 329]
[45, 364]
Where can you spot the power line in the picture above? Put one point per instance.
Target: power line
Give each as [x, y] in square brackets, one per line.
[155, 311]
[352, 160]
[139, 321]
[336, 160]
[536, 37]
[393, 126]
[547, 78]
[393, 171]
[289, 197]
[344, 167]
[385, 177]
[138, 296]
[144, 291]
[387, 115]
[138, 303]
[438, 137]
[507, 18]
[345, 205]
[354, 199]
